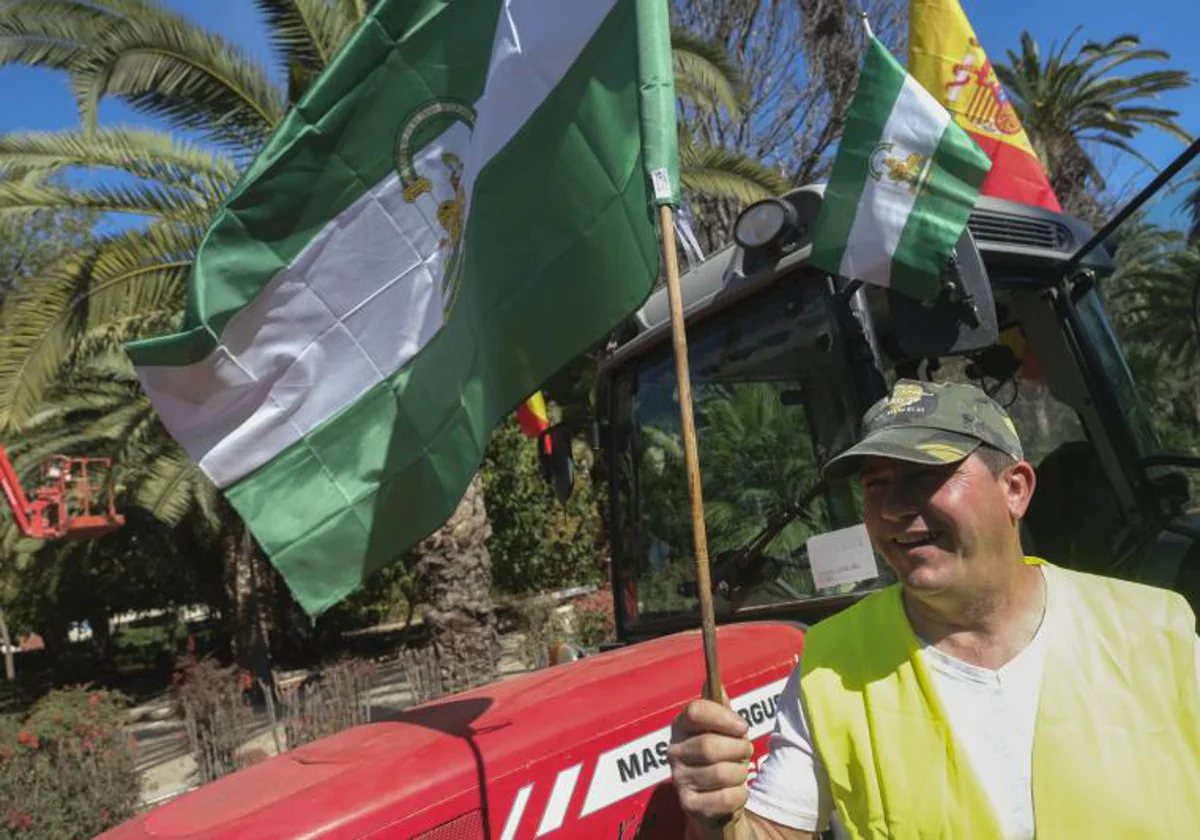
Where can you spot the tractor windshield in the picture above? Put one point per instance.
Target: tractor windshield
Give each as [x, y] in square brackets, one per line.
[1150, 347]
[773, 398]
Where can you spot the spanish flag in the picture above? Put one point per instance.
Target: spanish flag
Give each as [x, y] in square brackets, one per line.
[945, 56]
[533, 418]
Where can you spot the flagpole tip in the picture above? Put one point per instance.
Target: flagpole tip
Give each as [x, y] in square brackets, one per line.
[862, 15]
[866, 24]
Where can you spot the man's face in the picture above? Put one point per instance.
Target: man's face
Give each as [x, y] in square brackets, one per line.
[938, 526]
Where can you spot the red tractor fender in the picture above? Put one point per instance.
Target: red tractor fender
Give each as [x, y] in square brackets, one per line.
[575, 751]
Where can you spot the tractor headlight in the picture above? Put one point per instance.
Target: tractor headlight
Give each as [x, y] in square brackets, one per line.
[764, 224]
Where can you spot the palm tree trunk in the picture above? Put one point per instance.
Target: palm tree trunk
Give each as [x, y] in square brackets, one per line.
[246, 621]
[10, 668]
[456, 569]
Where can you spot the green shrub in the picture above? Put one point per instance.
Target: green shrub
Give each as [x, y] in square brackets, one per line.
[538, 543]
[67, 770]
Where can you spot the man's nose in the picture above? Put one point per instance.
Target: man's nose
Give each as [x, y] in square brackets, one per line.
[899, 502]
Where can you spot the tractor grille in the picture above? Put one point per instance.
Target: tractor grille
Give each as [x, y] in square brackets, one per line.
[467, 827]
[1003, 229]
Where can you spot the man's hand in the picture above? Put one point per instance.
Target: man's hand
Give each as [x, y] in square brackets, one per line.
[710, 762]
[709, 755]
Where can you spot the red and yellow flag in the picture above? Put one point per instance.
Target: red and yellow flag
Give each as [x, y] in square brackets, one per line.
[533, 418]
[945, 56]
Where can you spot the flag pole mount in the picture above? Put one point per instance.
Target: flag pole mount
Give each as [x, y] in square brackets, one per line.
[708, 623]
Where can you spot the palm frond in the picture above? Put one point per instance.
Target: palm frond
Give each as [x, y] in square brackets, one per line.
[354, 11]
[306, 33]
[1073, 100]
[139, 152]
[169, 489]
[129, 275]
[138, 198]
[51, 34]
[167, 67]
[713, 171]
[704, 72]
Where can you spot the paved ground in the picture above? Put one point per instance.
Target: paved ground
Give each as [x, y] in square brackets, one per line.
[167, 768]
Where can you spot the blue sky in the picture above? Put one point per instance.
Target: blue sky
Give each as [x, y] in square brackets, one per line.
[41, 100]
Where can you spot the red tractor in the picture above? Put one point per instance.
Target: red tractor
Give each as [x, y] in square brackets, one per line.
[785, 359]
[76, 498]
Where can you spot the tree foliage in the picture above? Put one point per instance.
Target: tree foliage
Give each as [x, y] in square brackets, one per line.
[537, 542]
[1074, 103]
[1153, 297]
[797, 68]
[29, 244]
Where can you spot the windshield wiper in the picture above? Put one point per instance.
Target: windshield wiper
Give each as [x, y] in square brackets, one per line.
[740, 569]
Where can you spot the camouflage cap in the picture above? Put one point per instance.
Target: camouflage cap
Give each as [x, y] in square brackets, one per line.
[929, 423]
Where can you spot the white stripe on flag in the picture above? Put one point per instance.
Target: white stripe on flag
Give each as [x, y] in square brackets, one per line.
[360, 300]
[537, 42]
[363, 297]
[915, 124]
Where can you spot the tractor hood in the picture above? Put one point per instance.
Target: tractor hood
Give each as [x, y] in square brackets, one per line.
[577, 749]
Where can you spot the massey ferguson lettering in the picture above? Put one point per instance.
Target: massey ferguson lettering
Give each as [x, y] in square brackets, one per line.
[642, 762]
[761, 711]
[635, 764]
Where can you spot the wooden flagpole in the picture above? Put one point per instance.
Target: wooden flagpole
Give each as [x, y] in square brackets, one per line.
[708, 623]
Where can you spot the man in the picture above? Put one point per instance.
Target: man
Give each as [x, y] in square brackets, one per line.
[986, 694]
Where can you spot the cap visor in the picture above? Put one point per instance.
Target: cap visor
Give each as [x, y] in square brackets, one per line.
[910, 443]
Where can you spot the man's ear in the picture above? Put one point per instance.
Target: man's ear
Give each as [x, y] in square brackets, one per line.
[1019, 483]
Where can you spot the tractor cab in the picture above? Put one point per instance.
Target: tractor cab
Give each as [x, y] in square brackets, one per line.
[784, 361]
[75, 498]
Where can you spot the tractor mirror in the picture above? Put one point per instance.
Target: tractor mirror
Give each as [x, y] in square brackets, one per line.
[554, 455]
[961, 321]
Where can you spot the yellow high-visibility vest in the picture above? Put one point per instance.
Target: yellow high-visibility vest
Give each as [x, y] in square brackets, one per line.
[1116, 747]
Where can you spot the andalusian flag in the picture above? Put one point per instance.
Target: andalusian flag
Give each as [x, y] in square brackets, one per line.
[945, 56]
[903, 184]
[455, 209]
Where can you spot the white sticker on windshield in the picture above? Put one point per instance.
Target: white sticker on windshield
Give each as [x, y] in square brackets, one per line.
[843, 556]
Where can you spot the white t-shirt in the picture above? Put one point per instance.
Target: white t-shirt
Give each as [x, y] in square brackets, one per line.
[991, 714]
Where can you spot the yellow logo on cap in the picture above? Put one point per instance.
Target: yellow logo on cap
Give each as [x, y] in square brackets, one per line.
[903, 396]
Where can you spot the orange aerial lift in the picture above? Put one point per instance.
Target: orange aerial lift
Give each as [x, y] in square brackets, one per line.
[75, 499]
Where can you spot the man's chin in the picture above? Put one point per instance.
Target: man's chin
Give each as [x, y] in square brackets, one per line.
[923, 577]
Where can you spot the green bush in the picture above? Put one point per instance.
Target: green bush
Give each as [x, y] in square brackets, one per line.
[67, 770]
[538, 543]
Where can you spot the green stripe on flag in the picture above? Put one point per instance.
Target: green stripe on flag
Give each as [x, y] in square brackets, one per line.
[560, 247]
[656, 81]
[324, 156]
[879, 85]
[940, 213]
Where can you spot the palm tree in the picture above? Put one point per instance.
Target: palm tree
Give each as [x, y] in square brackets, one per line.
[1153, 296]
[132, 283]
[707, 79]
[1070, 104]
[1192, 205]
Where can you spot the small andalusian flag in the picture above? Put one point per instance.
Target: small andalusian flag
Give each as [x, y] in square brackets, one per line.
[460, 205]
[903, 184]
[945, 56]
